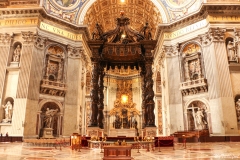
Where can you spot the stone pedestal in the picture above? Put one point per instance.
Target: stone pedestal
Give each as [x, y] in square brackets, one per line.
[47, 133]
[14, 64]
[150, 131]
[94, 132]
[6, 120]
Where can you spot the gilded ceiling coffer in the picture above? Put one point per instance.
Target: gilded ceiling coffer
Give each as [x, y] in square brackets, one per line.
[122, 47]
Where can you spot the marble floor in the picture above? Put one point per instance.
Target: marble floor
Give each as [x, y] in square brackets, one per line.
[193, 151]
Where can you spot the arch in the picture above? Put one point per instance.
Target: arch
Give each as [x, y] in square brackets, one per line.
[58, 45]
[191, 115]
[43, 102]
[49, 118]
[87, 5]
[203, 100]
[188, 43]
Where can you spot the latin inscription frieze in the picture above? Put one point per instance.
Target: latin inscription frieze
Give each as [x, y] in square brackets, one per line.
[18, 22]
[61, 32]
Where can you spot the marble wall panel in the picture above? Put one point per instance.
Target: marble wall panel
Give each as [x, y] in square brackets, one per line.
[4, 50]
[24, 74]
[71, 107]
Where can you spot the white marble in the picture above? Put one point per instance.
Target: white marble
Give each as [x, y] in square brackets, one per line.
[200, 151]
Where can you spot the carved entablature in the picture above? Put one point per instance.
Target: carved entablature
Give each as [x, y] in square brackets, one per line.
[192, 70]
[4, 3]
[5, 38]
[122, 52]
[23, 2]
[28, 37]
[53, 81]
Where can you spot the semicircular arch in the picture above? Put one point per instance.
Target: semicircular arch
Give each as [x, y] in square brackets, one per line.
[43, 102]
[159, 6]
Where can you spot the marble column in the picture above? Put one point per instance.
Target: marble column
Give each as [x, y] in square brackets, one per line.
[101, 97]
[144, 115]
[94, 94]
[149, 102]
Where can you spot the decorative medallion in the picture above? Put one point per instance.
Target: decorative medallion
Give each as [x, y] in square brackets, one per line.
[66, 3]
[65, 9]
[178, 3]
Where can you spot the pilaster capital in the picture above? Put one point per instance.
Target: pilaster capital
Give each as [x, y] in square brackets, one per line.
[75, 52]
[40, 42]
[172, 50]
[213, 35]
[217, 34]
[205, 39]
[5, 38]
[28, 37]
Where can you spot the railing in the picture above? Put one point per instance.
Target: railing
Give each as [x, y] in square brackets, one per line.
[193, 83]
[53, 83]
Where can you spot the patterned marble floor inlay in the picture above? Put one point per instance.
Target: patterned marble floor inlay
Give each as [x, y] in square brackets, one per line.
[193, 151]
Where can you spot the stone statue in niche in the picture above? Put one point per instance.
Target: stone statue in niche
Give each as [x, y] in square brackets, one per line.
[16, 54]
[49, 116]
[7, 111]
[200, 120]
[232, 52]
[238, 110]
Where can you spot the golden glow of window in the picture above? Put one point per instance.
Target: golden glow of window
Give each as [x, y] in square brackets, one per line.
[124, 98]
[122, 1]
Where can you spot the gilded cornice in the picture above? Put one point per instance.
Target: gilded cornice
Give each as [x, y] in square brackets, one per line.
[205, 10]
[122, 77]
[18, 3]
[44, 17]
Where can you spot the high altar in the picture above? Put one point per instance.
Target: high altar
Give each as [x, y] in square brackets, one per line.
[124, 117]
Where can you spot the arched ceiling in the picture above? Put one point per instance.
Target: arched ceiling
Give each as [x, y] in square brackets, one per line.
[139, 12]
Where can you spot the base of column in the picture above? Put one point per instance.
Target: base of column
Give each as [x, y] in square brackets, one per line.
[95, 132]
[150, 131]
